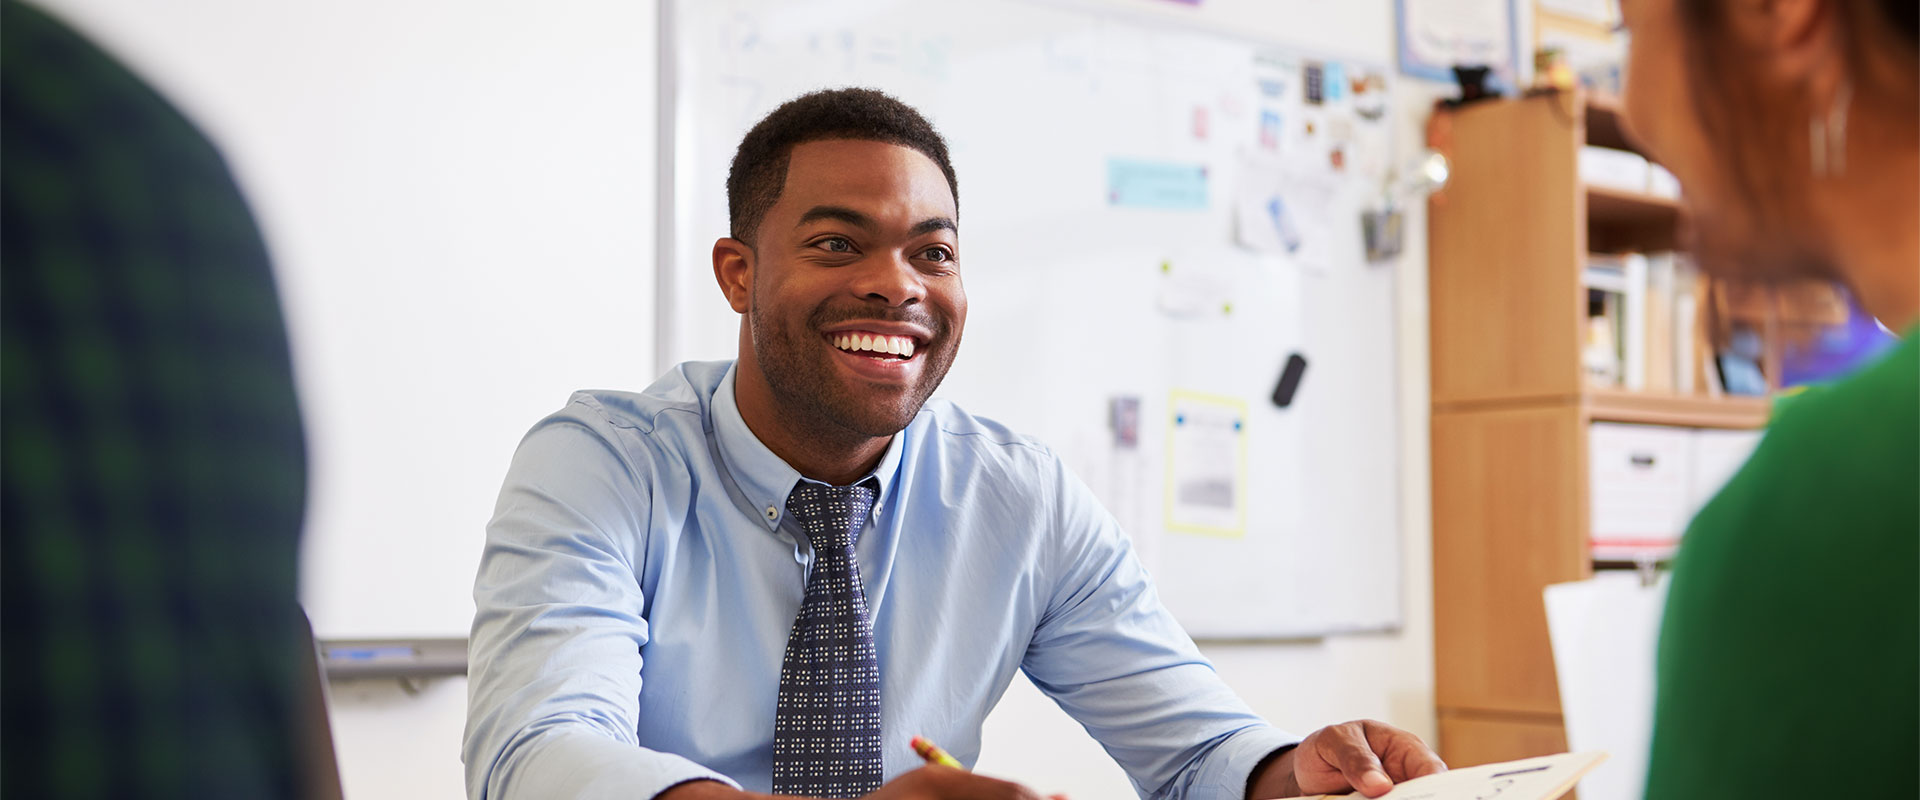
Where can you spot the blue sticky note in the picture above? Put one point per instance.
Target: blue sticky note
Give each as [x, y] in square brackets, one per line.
[1336, 77]
[1162, 185]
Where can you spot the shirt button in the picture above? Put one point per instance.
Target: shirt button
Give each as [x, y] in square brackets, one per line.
[773, 513]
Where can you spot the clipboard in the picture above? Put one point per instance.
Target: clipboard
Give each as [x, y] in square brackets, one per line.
[1542, 778]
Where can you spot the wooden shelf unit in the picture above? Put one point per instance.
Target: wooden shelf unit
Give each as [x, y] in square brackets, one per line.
[1508, 239]
[1686, 411]
[1620, 221]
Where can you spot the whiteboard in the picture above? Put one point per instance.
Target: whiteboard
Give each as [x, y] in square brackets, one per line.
[461, 240]
[1084, 287]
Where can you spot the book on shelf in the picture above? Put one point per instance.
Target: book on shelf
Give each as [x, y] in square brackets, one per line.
[1615, 351]
[1600, 355]
[1686, 326]
[1641, 316]
[1660, 374]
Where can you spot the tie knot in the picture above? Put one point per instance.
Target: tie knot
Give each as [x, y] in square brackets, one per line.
[831, 515]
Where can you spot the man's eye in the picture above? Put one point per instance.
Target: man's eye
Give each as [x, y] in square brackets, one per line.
[835, 245]
[937, 254]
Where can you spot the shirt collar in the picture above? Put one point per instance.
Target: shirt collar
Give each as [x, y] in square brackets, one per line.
[763, 477]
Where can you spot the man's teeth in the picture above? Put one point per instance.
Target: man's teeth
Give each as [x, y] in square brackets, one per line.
[901, 346]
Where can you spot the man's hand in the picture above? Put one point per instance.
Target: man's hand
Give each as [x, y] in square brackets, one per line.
[925, 783]
[946, 783]
[1367, 756]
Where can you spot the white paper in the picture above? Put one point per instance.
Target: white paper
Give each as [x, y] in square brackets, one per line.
[1542, 778]
[1190, 288]
[1264, 219]
[1284, 206]
[1600, 12]
[1604, 633]
[1442, 33]
[1206, 465]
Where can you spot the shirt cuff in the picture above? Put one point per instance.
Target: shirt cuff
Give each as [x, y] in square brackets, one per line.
[1230, 765]
[587, 766]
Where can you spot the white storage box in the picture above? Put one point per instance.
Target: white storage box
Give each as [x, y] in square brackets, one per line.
[1642, 477]
[1613, 169]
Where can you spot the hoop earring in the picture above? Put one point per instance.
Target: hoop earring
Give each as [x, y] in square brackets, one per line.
[1827, 139]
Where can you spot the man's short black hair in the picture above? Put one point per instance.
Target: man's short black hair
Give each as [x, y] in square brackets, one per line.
[759, 170]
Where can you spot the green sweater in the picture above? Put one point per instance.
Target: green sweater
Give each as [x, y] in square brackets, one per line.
[1790, 654]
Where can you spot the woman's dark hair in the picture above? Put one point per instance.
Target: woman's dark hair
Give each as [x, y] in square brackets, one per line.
[1751, 129]
[759, 169]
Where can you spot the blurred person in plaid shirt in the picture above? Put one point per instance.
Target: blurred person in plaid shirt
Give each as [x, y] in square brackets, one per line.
[154, 466]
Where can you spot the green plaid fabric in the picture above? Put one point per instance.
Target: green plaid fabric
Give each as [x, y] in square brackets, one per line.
[153, 476]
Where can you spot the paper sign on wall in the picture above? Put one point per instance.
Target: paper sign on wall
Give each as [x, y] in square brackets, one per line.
[1207, 465]
[1163, 185]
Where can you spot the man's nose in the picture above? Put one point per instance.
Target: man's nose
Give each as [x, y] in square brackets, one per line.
[891, 279]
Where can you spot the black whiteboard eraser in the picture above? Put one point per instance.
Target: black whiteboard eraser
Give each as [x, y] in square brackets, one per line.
[1289, 384]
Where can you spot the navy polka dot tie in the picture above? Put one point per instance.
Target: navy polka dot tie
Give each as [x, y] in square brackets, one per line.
[826, 729]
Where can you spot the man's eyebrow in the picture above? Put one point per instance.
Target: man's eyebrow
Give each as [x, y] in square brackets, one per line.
[932, 224]
[841, 213]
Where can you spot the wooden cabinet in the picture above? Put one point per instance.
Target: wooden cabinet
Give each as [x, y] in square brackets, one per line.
[1512, 412]
[1487, 739]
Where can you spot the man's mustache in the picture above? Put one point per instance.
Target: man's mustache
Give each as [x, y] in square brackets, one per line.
[938, 326]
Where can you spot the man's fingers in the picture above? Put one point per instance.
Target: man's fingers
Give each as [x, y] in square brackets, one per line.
[963, 785]
[1423, 762]
[1346, 748]
[1404, 755]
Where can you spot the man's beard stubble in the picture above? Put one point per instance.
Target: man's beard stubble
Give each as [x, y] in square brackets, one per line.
[798, 370]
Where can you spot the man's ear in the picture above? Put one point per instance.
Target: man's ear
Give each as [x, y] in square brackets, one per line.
[733, 268]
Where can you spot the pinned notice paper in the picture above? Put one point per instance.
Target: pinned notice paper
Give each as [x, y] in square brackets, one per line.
[1207, 465]
[1163, 185]
[1543, 778]
[1286, 210]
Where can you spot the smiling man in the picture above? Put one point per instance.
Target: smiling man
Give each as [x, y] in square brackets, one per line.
[768, 575]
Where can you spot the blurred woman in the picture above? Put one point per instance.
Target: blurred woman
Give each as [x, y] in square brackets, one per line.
[1790, 654]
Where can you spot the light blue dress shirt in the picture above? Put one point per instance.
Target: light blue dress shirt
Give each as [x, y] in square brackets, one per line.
[640, 578]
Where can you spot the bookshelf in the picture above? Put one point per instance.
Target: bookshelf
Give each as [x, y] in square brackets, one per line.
[1691, 411]
[1619, 220]
[1513, 411]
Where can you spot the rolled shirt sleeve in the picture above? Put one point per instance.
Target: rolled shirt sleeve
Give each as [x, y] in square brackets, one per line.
[554, 666]
[1113, 657]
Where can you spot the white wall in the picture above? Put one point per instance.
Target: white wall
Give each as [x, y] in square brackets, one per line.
[495, 157]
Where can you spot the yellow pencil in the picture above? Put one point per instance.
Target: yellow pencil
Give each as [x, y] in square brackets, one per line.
[933, 754]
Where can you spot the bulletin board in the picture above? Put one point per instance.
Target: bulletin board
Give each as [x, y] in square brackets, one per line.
[1153, 220]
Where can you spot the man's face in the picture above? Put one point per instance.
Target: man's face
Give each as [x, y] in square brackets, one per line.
[856, 305]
